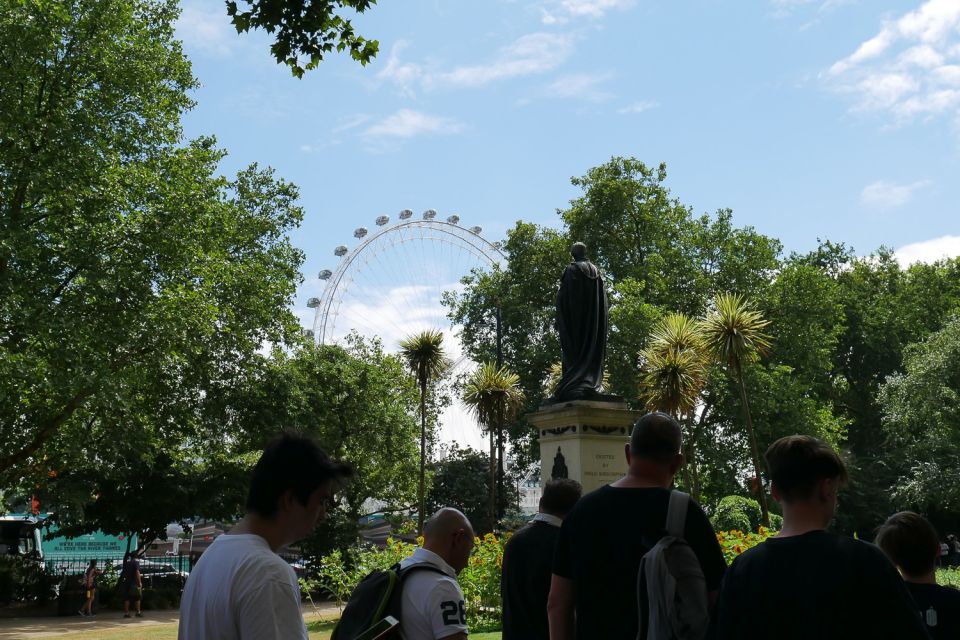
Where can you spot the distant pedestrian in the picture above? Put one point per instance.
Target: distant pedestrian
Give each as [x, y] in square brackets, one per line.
[90, 588]
[911, 543]
[240, 588]
[528, 561]
[806, 582]
[131, 584]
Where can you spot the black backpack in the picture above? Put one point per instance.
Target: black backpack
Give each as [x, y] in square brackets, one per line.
[377, 596]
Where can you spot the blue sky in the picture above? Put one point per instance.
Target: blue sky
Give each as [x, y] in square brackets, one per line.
[810, 119]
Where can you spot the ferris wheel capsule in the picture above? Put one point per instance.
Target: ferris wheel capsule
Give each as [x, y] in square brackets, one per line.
[475, 230]
[359, 232]
[341, 251]
[405, 214]
[454, 219]
[382, 220]
[325, 274]
[429, 214]
[497, 245]
[313, 303]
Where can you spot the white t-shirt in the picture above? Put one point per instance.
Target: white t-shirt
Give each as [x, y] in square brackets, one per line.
[241, 590]
[431, 606]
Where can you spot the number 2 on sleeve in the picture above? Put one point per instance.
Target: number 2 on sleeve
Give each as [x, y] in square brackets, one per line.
[453, 612]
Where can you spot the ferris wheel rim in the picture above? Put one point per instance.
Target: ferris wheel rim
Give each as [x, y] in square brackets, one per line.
[333, 292]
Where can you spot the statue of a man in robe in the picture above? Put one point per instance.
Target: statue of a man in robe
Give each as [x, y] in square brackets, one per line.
[582, 325]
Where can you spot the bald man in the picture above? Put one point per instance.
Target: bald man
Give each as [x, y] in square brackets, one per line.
[432, 602]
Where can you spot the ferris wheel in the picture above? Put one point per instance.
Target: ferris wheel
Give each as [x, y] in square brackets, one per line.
[392, 282]
[391, 285]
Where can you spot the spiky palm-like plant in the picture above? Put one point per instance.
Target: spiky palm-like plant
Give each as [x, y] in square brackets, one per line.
[424, 354]
[733, 333]
[673, 370]
[494, 397]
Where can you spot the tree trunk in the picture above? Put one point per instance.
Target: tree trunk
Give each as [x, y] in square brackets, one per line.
[754, 451]
[421, 505]
[492, 506]
[501, 494]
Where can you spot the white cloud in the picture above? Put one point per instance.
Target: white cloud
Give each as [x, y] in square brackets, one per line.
[206, 28]
[583, 86]
[638, 107]
[402, 74]
[593, 8]
[888, 195]
[929, 250]
[531, 54]
[407, 123]
[909, 68]
[786, 8]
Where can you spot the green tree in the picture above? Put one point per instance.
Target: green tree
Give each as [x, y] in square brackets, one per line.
[134, 280]
[424, 355]
[921, 422]
[305, 29]
[734, 333]
[494, 396]
[462, 481]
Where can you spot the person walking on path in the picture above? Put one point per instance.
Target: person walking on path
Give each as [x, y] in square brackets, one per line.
[911, 543]
[593, 590]
[528, 562]
[90, 588]
[807, 582]
[131, 584]
[240, 588]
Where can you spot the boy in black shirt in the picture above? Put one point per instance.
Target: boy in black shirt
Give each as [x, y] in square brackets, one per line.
[607, 534]
[808, 583]
[911, 543]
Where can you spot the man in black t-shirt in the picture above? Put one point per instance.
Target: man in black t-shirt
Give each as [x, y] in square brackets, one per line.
[808, 583]
[528, 562]
[912, 545]
[593, 593]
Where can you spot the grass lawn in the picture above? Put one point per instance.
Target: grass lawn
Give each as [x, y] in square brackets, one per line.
[319, 630]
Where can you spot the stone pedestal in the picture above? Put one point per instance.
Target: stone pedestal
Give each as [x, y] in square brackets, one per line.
[584, 439]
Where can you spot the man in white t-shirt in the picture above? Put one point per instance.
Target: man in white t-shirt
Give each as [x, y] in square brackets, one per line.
[240, 589]
[432, 602]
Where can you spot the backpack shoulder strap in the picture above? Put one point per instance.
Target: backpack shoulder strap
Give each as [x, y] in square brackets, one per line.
[677, 513]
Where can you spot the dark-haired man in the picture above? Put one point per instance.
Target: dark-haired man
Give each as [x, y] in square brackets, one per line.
[593, 592]
[528, 561]
[808, 583]
[912, 544]
[240, 588]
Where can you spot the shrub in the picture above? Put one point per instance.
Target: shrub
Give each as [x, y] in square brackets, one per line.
[741, 514]
[949, 577]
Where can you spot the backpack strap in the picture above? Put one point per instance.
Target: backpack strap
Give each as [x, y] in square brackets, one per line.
[677, 513]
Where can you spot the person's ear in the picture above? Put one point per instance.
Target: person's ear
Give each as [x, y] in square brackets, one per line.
[775, 492]
[676, 463]
[626, 453]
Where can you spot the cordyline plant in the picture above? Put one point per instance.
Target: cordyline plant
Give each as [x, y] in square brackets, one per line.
[424, 354]
[733, 333]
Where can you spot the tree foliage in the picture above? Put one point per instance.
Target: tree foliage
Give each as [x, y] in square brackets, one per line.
[306, 30]
[136, 283]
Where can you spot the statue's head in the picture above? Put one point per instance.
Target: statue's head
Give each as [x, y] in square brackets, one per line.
[579, 251]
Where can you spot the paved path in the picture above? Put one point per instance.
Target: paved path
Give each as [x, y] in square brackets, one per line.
[50, 627]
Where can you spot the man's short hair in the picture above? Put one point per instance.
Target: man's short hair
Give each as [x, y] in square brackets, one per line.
[291, 462]
[910, 542]
[559, 496]
[797, 463]
[656, 436]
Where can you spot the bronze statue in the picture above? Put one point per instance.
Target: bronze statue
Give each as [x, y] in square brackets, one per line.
[582, 325]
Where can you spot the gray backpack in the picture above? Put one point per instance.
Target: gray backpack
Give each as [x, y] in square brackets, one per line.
[671, 588]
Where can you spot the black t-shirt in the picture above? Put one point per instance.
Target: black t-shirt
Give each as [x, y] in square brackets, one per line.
[600, 547]
[939, 609]
[525, 582]
[816, 585]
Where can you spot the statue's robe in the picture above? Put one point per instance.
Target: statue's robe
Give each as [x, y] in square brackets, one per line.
[582, 325]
